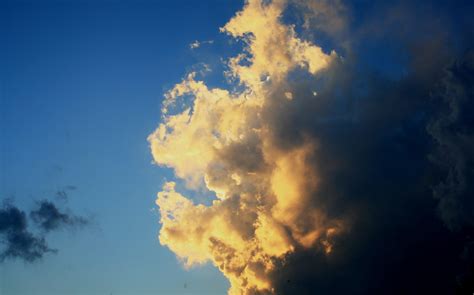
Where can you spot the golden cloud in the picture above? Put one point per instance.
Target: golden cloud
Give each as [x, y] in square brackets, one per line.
[222, 141]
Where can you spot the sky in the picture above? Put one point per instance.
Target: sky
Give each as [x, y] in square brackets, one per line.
[82, 83]
[236, 147]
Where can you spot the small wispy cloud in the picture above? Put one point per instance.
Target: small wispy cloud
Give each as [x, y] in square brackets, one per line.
[197, 44]
[49, 217]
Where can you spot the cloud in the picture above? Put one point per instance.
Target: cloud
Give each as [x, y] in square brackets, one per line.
[331, 17]
[453, 130]
[339, 192]
[197, 44]
[18, 239]
[273, 48]
[62, 194]
[48, 217]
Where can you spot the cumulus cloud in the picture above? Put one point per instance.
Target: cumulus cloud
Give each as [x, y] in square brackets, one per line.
[318, 167]
[223, 142]
[273, 49]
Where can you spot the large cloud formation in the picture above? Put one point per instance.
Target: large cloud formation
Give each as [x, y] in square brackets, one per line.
[328, 176]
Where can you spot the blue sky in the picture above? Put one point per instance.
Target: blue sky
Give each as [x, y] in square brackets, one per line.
[82, 83]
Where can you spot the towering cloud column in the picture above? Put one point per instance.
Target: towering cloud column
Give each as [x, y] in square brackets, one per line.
[225, 141]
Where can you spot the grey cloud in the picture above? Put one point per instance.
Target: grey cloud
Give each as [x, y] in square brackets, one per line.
[453, 130]
[48, 217]
[392, 153]
[16, 240]
[19, 235]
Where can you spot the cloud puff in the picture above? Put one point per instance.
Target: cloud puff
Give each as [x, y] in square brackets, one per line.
[19, 241]
[197, 44]
[329, 193]
[16, 240]
[273, 48]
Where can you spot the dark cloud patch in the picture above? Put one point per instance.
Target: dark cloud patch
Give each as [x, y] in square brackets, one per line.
[395, 158]
[15, 238]
[70, 187]
[62, 194]
[453, 130]
[48, 217]
[19, 240]
[465, 280]
[375, 169]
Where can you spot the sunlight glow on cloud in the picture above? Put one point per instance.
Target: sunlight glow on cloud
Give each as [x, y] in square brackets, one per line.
[222, 140]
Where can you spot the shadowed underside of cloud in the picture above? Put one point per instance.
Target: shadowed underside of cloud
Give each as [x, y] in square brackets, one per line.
[334, 172]
[19, 241]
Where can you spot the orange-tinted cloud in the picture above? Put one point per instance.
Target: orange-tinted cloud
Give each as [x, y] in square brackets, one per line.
[222, 141]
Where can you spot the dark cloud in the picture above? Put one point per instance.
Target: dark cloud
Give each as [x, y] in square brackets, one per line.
[381, 170]
[395, 157]
[48, 217]
[62, 194]
[453, 130]
[18, 239]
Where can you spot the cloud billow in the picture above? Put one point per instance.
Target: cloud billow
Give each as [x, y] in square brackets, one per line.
[329, 176]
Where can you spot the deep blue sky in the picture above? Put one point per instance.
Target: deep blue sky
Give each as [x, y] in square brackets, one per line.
[81, 86]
